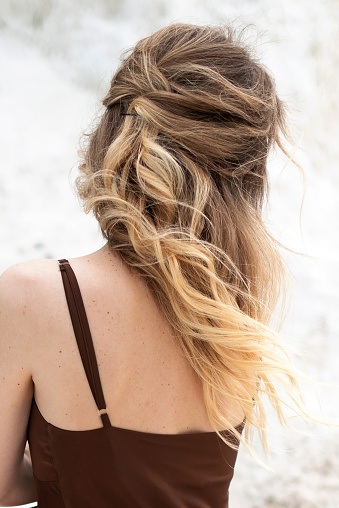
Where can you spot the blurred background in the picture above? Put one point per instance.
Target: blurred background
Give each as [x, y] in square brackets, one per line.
[56, 60]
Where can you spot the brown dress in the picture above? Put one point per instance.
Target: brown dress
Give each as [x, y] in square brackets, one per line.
[113, 467]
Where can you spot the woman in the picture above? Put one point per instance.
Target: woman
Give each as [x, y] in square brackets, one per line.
[133, 370]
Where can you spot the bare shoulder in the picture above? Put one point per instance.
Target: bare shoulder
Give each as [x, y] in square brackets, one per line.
[25, 289]
[23, 280]
[29, 270]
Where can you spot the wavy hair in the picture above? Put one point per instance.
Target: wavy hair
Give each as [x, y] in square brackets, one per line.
[175, 172]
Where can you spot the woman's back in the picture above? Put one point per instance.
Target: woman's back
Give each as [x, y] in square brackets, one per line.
[148, 384]
[107, 461]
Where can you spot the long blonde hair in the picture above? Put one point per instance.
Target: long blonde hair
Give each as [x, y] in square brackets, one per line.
[176, 174]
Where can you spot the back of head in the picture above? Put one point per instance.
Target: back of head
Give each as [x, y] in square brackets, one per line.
[176, 174]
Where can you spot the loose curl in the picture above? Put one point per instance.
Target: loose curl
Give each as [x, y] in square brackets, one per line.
[176, 175]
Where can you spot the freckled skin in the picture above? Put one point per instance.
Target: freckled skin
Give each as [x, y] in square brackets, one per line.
[132, 345]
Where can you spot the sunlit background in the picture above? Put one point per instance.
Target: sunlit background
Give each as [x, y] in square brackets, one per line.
[56, 58]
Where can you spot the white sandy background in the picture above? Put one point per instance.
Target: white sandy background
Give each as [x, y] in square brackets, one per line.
[56, 58]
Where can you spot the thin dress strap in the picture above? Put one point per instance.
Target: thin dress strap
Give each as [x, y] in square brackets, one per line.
[83, 336]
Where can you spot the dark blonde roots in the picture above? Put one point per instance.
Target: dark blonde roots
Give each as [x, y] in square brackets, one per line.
[177, 185]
